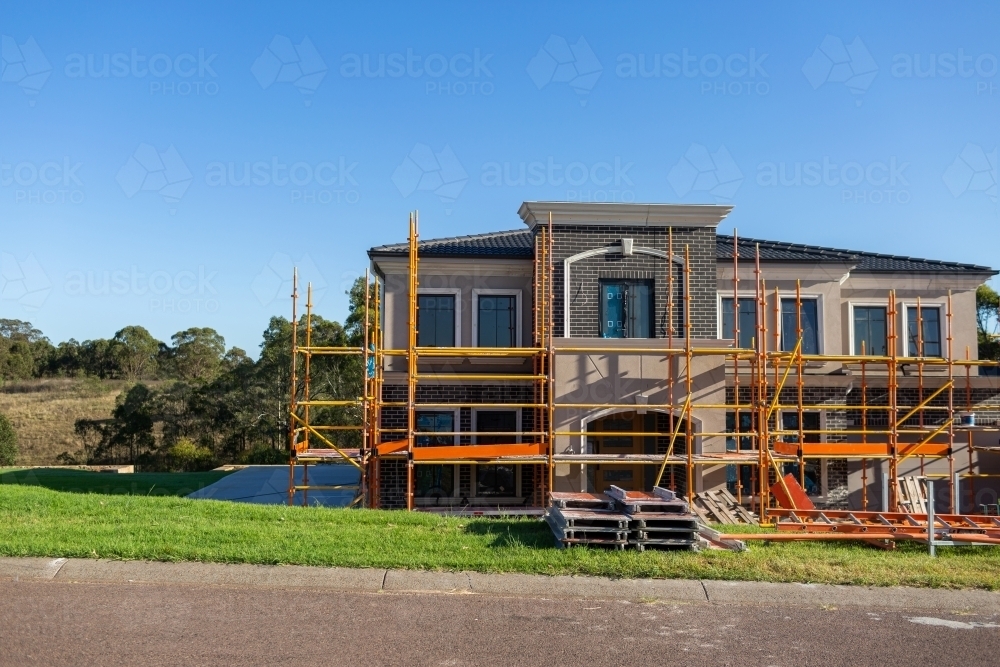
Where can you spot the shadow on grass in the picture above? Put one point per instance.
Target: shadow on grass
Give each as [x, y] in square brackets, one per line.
[511, 533]
[85, 481]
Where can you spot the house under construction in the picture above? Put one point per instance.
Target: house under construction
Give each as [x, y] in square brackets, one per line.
[633, 345]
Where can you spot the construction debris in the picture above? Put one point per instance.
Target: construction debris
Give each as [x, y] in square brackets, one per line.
[721, 507]
[912, 495]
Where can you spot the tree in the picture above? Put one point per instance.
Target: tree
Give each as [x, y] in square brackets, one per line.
[988, 322]
[197, 353]
[24, 351]
[135, 350]
[8, 442]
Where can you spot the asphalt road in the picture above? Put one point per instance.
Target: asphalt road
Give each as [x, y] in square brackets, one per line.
[64, 623]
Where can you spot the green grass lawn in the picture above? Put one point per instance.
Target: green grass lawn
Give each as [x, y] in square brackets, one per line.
[85, 481]
[37, 521]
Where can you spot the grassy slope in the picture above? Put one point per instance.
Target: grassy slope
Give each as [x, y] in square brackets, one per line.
[40, 522]
[44, 412]
[143, 484]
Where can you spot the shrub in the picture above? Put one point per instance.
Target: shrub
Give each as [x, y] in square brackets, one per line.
[188, 456]
[8, 442]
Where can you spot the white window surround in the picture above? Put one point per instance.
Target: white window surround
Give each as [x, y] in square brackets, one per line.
[606, 250]
[517, 469]
[907, 306]
[850, 320]
[518, 325]
[457, 293]
[820, 330]
[719, 296]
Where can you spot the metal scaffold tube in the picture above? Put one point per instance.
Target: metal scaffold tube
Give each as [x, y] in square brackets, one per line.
[887, 430]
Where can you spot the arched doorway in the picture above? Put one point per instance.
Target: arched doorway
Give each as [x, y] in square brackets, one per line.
[614, 434]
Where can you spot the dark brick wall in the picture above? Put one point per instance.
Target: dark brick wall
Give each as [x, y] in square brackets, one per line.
[392, 483]
[586, 274]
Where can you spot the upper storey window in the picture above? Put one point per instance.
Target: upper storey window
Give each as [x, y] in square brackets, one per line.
[497, 320]
[790, 323]
[435, 320]
[929, 331]
[748, 321]
[626, 309]
[870, 330]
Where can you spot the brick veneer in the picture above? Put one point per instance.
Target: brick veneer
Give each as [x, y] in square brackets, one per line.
[585, 275]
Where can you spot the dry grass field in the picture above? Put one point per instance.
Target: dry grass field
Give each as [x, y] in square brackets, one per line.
[44, 411]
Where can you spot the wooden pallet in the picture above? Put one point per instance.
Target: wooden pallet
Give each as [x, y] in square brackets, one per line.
[912, 494]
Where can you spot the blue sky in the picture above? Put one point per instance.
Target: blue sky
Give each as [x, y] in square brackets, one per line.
[126, 132]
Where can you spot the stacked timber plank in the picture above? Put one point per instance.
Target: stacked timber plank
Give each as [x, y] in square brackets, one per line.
[620, 519]
[586, 519]
[721, 507]
[912, 494]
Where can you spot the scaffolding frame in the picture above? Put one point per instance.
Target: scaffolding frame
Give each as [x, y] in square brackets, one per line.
[764, 371]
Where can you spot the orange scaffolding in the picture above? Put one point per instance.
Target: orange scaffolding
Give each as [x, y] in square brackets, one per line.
[922, 430]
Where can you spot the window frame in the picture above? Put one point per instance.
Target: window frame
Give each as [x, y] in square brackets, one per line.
[818, 298]
[452, 291]
[907, 307]
[850, 323]
[518, 314]
[474, 476]
[720, 297]
[456, 439]
[651, 306]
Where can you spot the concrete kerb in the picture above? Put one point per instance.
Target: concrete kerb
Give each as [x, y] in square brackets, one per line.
[502, 585]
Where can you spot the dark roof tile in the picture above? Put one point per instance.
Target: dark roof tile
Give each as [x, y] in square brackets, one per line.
[520, 243]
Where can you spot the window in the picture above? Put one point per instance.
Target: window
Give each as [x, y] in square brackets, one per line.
[810, 422]
[869, 330]
[930, 331]
[496, 480]
[435, 320]
[626, 309]
[434, 481]
[739, 479]
[497, 321]
[810, 325]
[748, 321]
[435, 422]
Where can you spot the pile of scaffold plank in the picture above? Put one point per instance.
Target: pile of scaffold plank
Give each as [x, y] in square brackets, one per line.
[721, 507]
[586, 519]
[620, 519]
